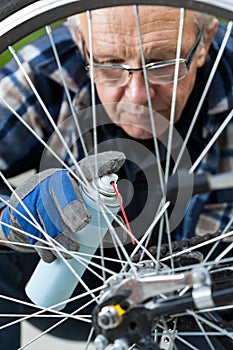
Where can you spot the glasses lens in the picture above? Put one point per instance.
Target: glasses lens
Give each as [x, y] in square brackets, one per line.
[112, 77]
[164, 73]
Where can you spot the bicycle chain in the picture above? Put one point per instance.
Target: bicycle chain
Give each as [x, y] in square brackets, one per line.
[195, 256]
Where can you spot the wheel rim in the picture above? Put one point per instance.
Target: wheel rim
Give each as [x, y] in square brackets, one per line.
[101, 4]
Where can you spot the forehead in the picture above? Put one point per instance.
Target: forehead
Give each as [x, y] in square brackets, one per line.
[115, 29]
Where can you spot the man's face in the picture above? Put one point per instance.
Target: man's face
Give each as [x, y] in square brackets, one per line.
[115, 40]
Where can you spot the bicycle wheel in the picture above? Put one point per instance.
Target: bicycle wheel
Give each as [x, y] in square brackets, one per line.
[207, 328]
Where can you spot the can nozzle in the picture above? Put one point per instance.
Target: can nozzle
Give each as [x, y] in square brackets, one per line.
[104, 183]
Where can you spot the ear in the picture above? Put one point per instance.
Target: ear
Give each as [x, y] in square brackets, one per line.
[78, 39]
[209, 33]
[76, 30]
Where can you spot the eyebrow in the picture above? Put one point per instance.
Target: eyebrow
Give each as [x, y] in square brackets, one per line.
[101, 57]
[170, 54]
[166, 54]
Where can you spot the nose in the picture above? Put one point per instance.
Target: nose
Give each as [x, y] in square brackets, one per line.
[135, 90]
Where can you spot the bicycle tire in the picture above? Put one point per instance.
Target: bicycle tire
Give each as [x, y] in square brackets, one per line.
[14, 12]
[13, 25]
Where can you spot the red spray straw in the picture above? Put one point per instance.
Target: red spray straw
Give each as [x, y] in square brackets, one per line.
[123, 213]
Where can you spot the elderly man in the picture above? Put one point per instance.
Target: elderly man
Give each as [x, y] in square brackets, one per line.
[127, 101]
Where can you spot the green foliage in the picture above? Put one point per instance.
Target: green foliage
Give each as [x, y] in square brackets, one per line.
[6, 56]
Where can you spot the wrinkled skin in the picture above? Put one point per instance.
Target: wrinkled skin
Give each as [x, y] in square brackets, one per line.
[115, 39]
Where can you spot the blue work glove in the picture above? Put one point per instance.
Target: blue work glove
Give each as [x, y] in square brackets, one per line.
[54, 200]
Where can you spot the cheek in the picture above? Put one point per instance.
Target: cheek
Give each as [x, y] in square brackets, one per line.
[184, 89]
[108, 94]
[110, 98]
[163, 93]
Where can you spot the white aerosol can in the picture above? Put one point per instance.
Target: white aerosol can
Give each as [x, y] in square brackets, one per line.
[51, 285]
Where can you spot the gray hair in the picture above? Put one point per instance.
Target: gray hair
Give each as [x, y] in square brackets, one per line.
[76, 31]
[203, 19]
[204, 22]
[74, 24]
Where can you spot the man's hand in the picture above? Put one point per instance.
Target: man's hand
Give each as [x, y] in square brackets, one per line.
[53, 199]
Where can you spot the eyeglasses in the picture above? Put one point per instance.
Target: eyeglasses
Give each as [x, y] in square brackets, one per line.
[118, 75]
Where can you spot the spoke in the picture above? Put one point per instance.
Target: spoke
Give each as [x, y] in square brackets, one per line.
[85, 184]
[61, 72]
[170, 333]
[23, 233]
[54, 244]
[150, 231]
[152, 122]
[182, 340]
[160, 238]
[120, 245]
[39, 313]
[217, 308]
[93, 99]
[94, 118]
[204, 94]
[48, 115]
[174, 93]
[89, 338]
[140, 244]
[204, 333]
[196, 334]
[151, 114]
[34, 222]
[210, 263]
[85, 318]
[170, 137]
[115, 237]
[80, 257]
[27, 245]
[79, 279]
[224, 253]
[168, 232]
[190, 346]
[106, 258]
[211, 142]
[124, 260]
[211, 324]
[217, 243]
[50, 309]
[52, 327]
[212, 240]
[86, 262]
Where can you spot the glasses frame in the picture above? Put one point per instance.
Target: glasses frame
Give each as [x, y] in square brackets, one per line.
[188, 60]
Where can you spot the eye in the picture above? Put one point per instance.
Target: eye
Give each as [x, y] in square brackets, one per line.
[152, 61]
[113, 61]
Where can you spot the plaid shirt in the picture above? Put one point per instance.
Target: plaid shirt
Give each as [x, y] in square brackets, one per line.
[20, 150]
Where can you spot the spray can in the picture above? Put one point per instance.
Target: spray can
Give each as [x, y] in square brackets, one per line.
[51, 285]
